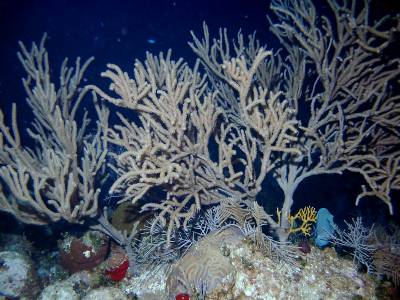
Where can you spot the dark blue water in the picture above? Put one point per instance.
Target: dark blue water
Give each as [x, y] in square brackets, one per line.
[114, 31]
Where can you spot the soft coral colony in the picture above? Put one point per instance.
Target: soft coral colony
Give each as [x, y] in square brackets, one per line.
[209, 135]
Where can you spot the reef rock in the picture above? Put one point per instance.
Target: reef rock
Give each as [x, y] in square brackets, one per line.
[17, 276]
[76, 286]
[322, 275]
[105, 293]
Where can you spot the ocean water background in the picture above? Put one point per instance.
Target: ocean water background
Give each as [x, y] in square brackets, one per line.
[121, 31]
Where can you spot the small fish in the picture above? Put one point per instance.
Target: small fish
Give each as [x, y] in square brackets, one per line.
[151, 41]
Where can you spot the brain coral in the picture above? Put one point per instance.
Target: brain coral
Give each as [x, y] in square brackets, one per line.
[205, 266]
